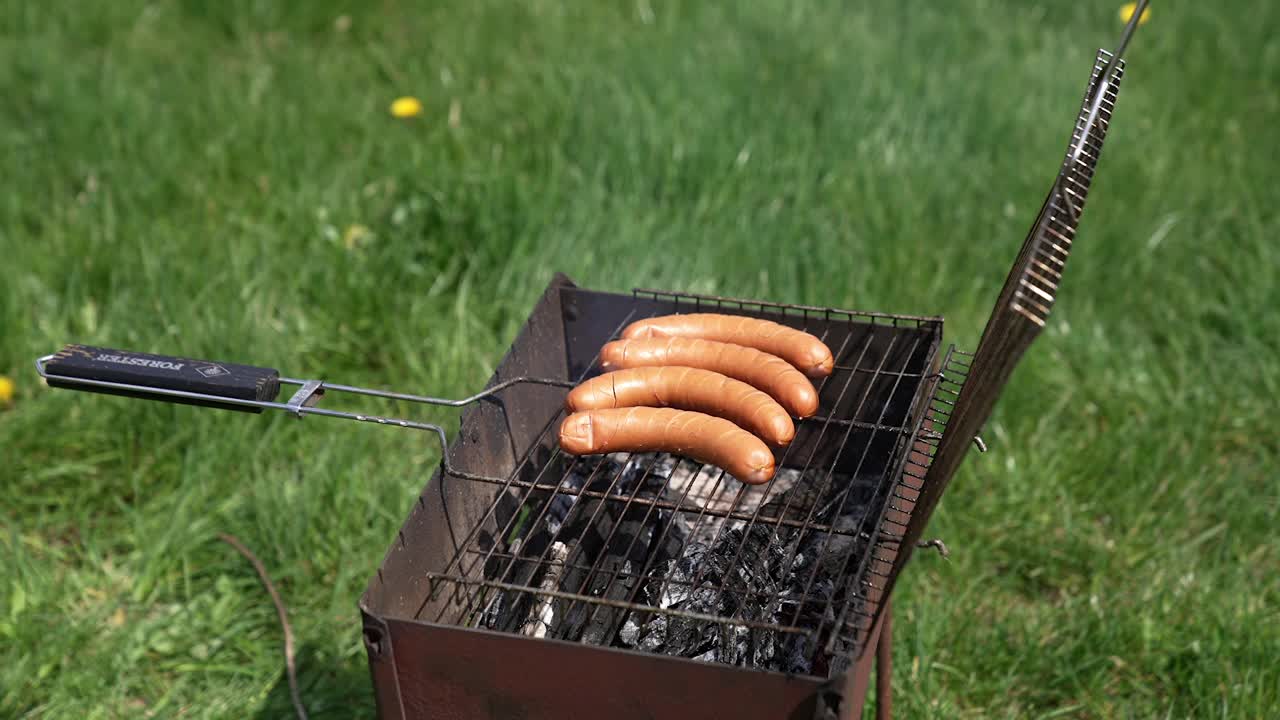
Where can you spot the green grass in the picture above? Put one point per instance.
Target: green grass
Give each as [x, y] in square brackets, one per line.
[179, 177]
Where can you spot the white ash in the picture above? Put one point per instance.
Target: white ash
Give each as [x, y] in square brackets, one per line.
[705, 487]
[543, 614]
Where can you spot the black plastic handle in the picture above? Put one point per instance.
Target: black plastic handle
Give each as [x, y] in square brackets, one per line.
[144, 370]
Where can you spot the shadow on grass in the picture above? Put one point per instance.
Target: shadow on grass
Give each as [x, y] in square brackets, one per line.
[330, 688]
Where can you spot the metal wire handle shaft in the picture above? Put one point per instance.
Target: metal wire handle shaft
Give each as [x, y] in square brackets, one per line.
[302, 402]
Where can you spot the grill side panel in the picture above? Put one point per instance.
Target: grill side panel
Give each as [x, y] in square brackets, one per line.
[460, 674]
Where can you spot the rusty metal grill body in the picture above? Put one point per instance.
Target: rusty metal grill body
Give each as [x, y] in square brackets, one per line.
[512, 520]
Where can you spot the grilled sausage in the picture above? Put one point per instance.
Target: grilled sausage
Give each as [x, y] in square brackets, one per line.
[762, 370]
[809, 354]
[695, 435]
[688, 389]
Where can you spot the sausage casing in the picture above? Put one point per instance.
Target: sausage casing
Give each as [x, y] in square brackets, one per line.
[696, 435]
[762, 370]
[806, 352]
[687, 388]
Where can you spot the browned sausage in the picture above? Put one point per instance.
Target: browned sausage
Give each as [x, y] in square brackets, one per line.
[797, 347]
[762, 370]
[695, 435]
[688, 389]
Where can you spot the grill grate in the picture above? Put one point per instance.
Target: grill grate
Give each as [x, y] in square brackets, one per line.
[629, 549]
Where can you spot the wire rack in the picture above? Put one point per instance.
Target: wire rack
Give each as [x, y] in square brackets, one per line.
[600, 540]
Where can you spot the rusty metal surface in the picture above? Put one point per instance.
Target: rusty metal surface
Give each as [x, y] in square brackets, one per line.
[854, 683]
[382, 668]
[457, 674]
[884, 666]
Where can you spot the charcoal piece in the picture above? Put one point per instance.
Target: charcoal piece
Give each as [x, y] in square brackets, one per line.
[617, 475]
[649, 469]
[761, 647]
[561, 504]
[795, 654]
[633, 545]
[568, 618]
[653, 636]
[601, 620]
[614, 540]
[692, 639]
[590, 622]
[507, 610]
[495, 611]
[732, 577]
[672, 532]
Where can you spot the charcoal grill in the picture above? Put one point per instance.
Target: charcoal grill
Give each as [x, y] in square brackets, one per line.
[520, 567]
[526, 583]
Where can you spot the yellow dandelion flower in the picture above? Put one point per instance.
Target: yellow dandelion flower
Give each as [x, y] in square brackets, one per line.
[355, 235]
[6, 390]
[1126, 12]
[406, 107]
